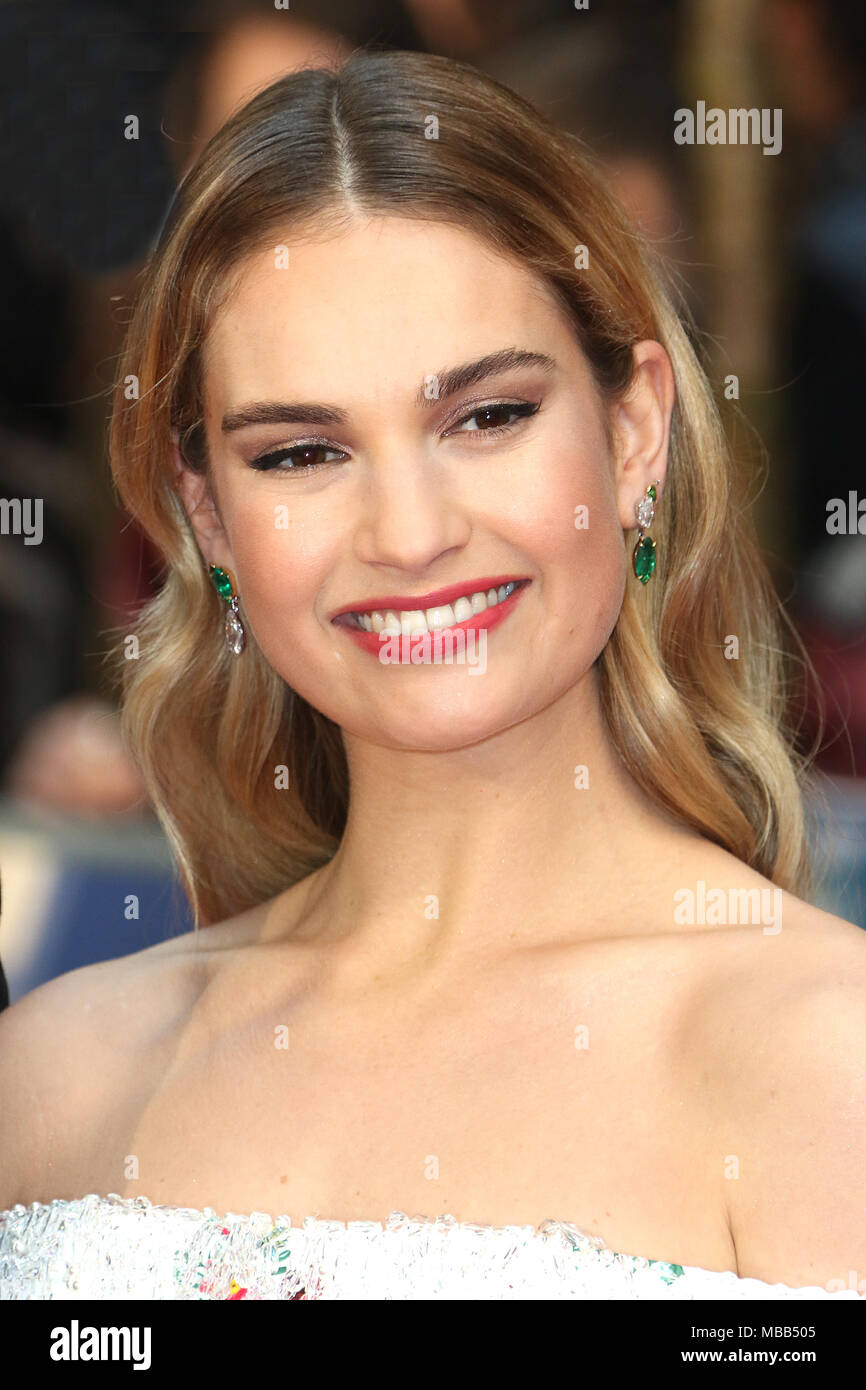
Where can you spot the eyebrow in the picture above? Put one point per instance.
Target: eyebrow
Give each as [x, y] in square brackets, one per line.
[450, 380]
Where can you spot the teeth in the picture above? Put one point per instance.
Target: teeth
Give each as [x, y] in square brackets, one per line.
[415, 621]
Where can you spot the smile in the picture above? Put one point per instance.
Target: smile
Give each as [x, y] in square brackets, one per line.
[480, 608]
[417, 621]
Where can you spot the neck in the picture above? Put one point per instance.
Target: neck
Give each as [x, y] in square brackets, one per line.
[490, 848]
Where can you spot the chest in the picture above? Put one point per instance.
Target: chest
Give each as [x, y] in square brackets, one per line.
[573, 1103]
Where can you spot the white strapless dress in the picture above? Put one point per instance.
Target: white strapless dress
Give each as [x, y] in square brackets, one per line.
[129, 1247]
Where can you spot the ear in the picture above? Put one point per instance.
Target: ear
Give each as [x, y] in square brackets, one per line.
[641, 429]
[200, 506]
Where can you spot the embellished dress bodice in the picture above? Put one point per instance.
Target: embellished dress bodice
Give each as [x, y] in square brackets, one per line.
[129, 1247]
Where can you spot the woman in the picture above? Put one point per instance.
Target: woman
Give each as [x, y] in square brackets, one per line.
[511, 939]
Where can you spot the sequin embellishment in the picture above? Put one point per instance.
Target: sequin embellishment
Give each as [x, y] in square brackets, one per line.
[97, 1247]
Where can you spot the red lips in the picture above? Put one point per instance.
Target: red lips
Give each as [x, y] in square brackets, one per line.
[411, 603]
[491, 617]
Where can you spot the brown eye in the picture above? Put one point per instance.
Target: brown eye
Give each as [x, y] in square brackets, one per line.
[494, 418]
[301, 458]
[493, 414]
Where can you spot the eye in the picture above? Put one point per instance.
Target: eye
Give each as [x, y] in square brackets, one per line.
[493, 418]
[306, 451]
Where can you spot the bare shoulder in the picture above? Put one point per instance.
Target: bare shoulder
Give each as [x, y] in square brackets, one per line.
[800, 959]
[85, 1048]
[69, 1047]
[763, 983]
[757, 945]
[781, 1040]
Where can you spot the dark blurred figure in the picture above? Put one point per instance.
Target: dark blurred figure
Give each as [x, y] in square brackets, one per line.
[58, 744]
[41, 585]
[817, 53]
[609, 76]
[77, 200]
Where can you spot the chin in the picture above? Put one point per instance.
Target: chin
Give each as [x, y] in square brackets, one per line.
[443, 724]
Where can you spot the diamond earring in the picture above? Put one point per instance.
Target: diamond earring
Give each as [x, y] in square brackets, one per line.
[223, 581]
[643, 558]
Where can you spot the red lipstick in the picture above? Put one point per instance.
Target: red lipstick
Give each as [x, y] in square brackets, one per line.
[411, 603]
[490, 618]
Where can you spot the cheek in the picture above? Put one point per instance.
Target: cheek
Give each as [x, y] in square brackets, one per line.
[586, 578]
[572, 527]
[282, 562]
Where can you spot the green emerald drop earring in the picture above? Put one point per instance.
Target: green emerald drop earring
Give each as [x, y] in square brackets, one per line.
[223, 581]
[643, 558]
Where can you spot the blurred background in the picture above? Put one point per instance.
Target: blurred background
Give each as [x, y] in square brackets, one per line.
[768, 250]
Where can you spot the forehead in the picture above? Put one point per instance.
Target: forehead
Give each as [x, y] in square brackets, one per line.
[373, 309]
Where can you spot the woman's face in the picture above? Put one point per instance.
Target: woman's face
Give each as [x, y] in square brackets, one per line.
[362, 460]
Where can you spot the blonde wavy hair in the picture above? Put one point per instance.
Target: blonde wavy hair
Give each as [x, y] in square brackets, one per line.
[702, 735]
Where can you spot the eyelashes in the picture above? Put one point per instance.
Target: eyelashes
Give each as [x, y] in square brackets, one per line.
[272, 460]
[269, 462]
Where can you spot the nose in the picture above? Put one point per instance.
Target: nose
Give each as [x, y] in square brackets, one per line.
[410, 513]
